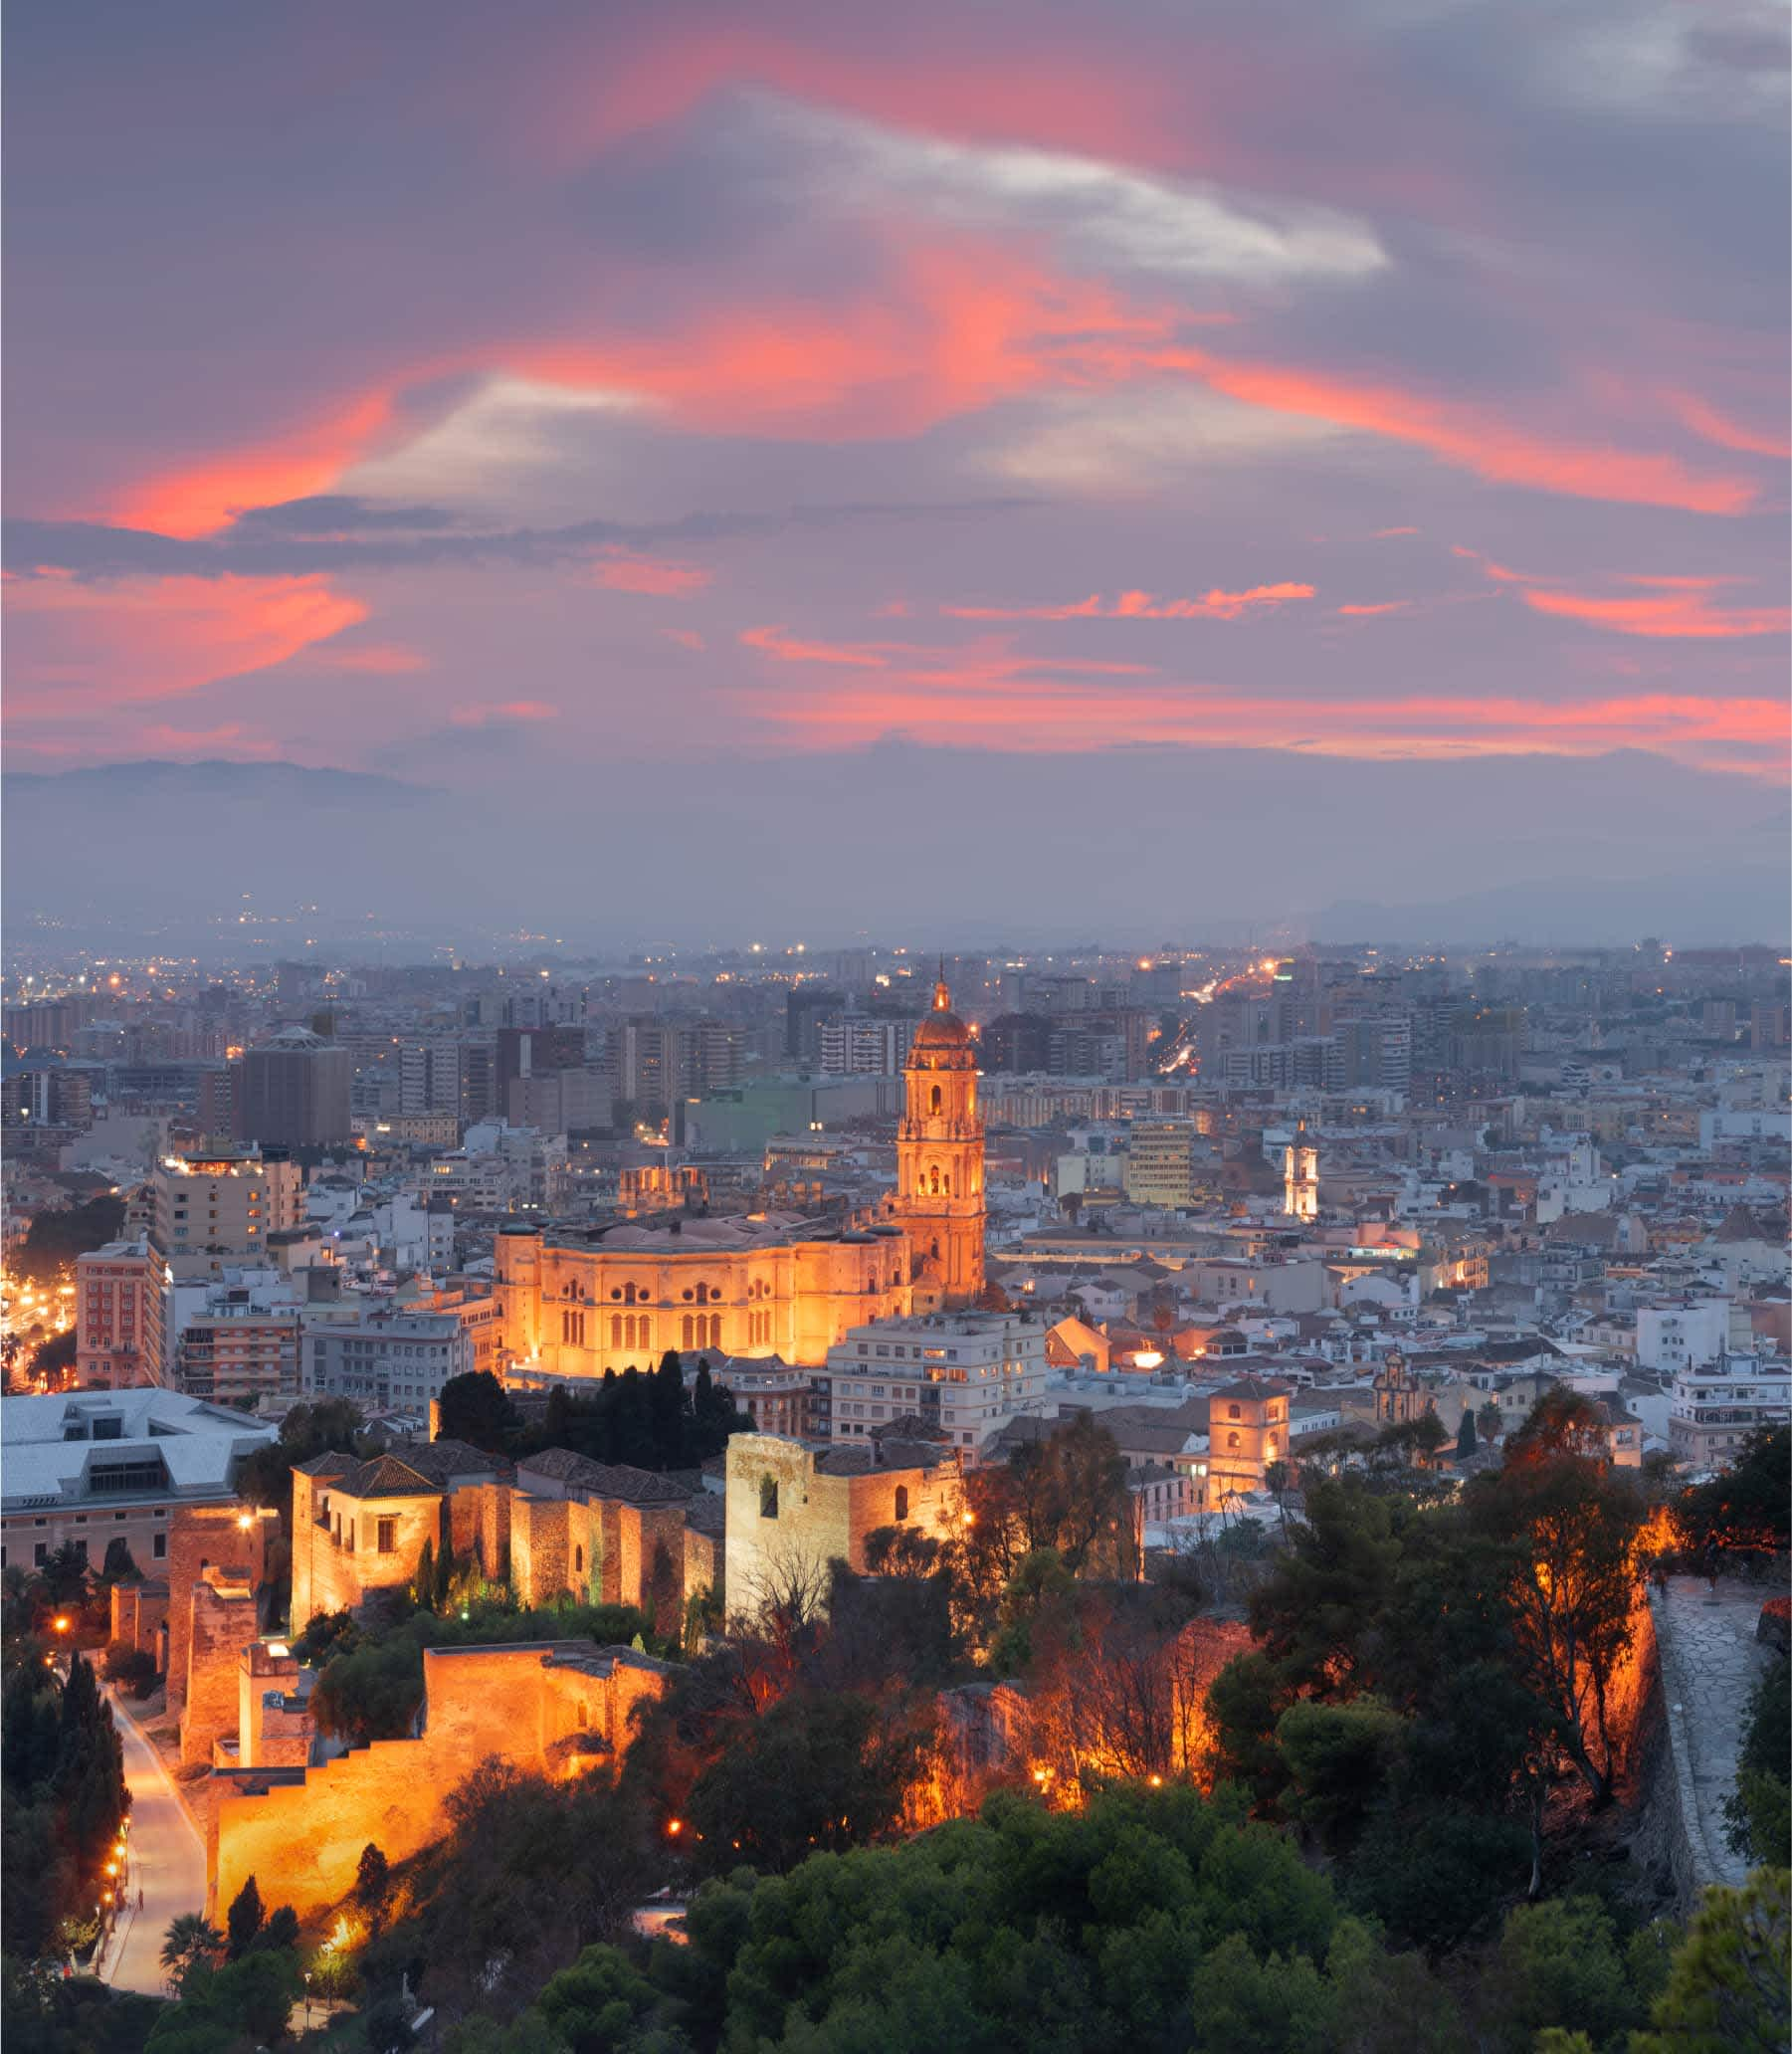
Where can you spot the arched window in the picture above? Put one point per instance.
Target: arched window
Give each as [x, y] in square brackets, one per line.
[715, 1339]
[685, 1329]
[934, 1181]
[934, 1100]
[1232, 1412]
[901, 1502]
[578, 1561]
[1232, 1440]
[616, 1330]
[628, 1294]
[769, 1497]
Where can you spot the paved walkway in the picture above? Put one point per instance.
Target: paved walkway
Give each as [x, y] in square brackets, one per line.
[1709, 1662]
[167, 1863]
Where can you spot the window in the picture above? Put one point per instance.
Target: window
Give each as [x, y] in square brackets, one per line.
[934, 1102]
[388, 1536]
[769, 1497]
[578, 1561]
[1232, 1440]
[1232, 1412]
[902, 1503]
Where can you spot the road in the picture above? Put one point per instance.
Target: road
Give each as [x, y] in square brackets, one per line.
[167, 1863]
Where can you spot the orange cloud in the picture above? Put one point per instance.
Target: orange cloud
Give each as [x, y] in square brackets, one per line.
[1386, 606]
[1215, 605]
[1381, 534]
[101, 645]
[621, 570]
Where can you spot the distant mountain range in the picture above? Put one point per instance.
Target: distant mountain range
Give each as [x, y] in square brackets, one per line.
[935, 846]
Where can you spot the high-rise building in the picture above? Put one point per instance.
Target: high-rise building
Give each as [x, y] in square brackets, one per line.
[1160, 1163]
[295, 1093]
[221, 1208]
[858, 1045]
[805, 1007]
[533, 1050]
[940, 1158]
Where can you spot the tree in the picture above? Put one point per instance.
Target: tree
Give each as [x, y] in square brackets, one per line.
[1465, 1441]
[1488, 1422]
[666, 1411]
[824, 1770]
[1560, 1964]
[1758, 1813]
[1747, 1509]
[55, 1238]
[51, 1360]
[191, 1942]
[474, 1409]
[65, 1574]
[1727, 1992]
[373, 1881]
[422, 1584]
[243, 1921]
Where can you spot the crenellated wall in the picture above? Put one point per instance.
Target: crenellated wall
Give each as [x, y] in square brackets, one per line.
[559, 1708]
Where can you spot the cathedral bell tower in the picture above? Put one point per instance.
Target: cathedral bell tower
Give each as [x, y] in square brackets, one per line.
[940, 1158]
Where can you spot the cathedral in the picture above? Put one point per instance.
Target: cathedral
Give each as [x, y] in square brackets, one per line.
[575, 1304]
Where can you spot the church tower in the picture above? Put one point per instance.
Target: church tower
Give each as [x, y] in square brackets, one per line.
[940, 1158]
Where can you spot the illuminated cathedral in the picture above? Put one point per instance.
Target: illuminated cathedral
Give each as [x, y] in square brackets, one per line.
[574, 1305]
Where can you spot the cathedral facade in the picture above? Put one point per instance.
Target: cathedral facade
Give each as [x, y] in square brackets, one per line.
[575, 1304]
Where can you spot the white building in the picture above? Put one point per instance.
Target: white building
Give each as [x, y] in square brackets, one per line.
[966, 1372]
[1715, 1406]
[1673, 1337]
[855, 1047]
[94, 1467]
[384, 1357]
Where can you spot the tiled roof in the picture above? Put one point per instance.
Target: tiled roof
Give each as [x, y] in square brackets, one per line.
[617, 1480]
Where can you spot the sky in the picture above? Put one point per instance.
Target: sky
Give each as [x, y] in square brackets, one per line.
[535, 401]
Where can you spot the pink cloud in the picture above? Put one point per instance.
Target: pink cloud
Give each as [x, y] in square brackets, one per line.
[621, 570]
[1385, 606]
[1214, 606]
[685, 638]
[148, 639]
[505, 713]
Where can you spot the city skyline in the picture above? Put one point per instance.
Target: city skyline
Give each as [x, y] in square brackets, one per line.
[763, 404]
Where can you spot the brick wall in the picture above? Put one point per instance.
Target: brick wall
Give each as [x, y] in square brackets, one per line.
[200, 1537]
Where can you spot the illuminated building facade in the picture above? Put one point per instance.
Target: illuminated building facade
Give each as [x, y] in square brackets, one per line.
[939, 1160]
[572, 1306]
[1301, 1179]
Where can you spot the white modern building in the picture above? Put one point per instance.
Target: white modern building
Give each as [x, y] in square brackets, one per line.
[93, 1467]
[966, 1372]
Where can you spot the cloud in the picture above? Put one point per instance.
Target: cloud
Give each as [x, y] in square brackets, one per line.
[1214, 606]
[1677, 606]
[82, 645]
[776, 641]
[506, 714]
[685, 638]
[621, 570]
[1384, 606]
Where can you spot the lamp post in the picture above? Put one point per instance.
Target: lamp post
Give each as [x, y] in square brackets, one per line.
[307, 2000]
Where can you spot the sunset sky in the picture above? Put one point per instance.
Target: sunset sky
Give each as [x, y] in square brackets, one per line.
[459, 392]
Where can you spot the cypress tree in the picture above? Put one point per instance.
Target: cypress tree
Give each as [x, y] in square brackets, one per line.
[424, 1589]
[243, 1921]
[1465, 1441]
[445, 1569]
[666, 1401]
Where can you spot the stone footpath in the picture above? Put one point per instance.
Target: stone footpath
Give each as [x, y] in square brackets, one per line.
[1709, 1661]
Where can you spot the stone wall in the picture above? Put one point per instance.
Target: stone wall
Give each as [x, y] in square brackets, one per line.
[139, 1617]
[201, 1536]
[818, 1516]
[221, 1623]
[274, 1724]
[555, 1706]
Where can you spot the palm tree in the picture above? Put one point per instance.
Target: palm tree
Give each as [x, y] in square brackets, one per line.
[192, 1941]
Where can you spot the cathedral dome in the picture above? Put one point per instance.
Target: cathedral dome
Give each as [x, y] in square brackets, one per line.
[941, 1030]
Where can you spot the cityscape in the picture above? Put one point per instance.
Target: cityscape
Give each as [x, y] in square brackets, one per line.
[895, 1032]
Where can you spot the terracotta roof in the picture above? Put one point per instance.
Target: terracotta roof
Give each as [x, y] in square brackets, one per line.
[1253, 1387]
[328, 1464]
[616, 1479]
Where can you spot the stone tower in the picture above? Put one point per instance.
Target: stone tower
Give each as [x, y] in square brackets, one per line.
[940, 1158]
